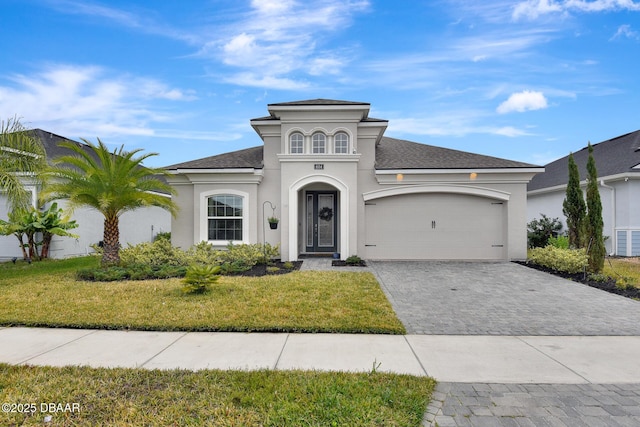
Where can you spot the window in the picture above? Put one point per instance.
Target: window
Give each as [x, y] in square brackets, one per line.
[224, 217]
[319, 143]
[296, 143]
[342, 143]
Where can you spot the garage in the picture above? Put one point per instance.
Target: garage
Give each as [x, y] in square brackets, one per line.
[439, 226]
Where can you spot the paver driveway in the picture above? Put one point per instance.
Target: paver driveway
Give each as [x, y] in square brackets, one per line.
[477, 298]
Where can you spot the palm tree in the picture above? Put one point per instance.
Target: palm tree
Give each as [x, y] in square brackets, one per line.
[21, 154]
[110, 182]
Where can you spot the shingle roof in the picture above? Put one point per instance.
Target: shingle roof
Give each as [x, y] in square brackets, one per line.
[318, 101]
[51, 143]
[614, 156]
[391, 153]
[394, 153]
[247, 158]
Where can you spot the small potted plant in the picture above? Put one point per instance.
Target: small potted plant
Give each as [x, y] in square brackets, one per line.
[273, 222]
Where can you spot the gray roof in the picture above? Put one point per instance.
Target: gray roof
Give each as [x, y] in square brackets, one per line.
[247, 158]
[614, 156]
[394, 153]
[391, 153]
[318, 101]
[51, 143]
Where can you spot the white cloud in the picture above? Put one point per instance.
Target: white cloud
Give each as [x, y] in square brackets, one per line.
[626, 31]
[523, 101]
[532, 9]
[75, 100]
[279, 40]
[453, 123]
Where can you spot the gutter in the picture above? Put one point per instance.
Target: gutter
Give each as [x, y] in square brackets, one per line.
[614, 238]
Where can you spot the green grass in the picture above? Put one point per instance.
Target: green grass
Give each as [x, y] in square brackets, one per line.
[625, 270]
[49, 295]
[119, 397]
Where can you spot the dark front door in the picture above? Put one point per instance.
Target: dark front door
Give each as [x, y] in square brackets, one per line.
[321, 221]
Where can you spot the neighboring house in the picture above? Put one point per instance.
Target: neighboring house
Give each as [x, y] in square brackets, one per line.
[136, 226]
[339, 185]
[618, 165]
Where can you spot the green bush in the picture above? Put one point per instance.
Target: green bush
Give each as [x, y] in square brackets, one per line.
[249, 255]
[199, 278]
[288, 265]
[565, 260]
[166, 235]
[540, 230]
[204, 253]
[353, 260]
[130, 272]
[560, 242]
[158, 253]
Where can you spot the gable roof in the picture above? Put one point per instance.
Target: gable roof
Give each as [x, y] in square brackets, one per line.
[615, 156]
[241, 159]
[392, 153]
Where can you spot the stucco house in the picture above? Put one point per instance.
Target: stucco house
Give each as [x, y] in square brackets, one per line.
[618, 165]
[136, 226]
[338, 185]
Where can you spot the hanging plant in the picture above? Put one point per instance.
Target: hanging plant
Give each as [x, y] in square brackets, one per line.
[325, 214]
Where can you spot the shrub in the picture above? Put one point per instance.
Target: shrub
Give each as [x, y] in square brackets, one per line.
[540, 230]
[158, 253]
[130, 272]
[204, 253]
[565, 260]
[166, 235]
[353, 260]
[288, 265]
[199, 278]
[249, 255]
[273, 269]
[234, 267]
[560, 242]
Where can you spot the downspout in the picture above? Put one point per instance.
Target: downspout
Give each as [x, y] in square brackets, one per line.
[614, 238]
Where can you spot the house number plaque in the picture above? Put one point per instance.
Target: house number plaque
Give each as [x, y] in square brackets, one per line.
[318, 166]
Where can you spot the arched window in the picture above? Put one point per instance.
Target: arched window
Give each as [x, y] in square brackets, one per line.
[342, 143]
[296, 143]
[319, 144]
[224, 217]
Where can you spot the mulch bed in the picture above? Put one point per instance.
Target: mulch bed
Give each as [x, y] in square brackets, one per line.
[608, 285]
[342, 263]
[261, 269]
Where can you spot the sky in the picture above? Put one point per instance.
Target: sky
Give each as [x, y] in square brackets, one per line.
[526, 80]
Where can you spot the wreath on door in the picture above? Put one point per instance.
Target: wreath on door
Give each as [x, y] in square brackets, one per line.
[325, 214]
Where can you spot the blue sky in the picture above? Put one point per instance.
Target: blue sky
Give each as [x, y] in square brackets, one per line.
[526, 80]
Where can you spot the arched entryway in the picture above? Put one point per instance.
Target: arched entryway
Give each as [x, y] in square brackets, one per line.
[318, 216]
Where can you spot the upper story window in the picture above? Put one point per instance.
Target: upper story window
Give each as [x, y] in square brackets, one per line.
[224, 217]
[296, 142]
[342, 143]
[319, 143]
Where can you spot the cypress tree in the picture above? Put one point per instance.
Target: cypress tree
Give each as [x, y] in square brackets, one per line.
[574, 207]
[595, 225]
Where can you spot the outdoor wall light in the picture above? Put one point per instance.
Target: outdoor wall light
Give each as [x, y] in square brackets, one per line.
[399, 177]
[473, 176]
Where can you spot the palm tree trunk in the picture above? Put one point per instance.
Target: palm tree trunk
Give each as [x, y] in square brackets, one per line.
[111, 254]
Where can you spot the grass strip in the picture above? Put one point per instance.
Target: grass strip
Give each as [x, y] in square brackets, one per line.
[303, 301]
[119, 397]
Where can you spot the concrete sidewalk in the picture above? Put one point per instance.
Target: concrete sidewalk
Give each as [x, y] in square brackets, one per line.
[461, 359]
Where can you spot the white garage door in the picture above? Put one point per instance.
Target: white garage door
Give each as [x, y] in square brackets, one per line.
[435, 226]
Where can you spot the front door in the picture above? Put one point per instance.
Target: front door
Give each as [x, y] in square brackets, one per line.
[321, 221]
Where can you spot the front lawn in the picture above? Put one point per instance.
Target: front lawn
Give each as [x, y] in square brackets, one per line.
[624, 270]
[47, 294]
[214, 398]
